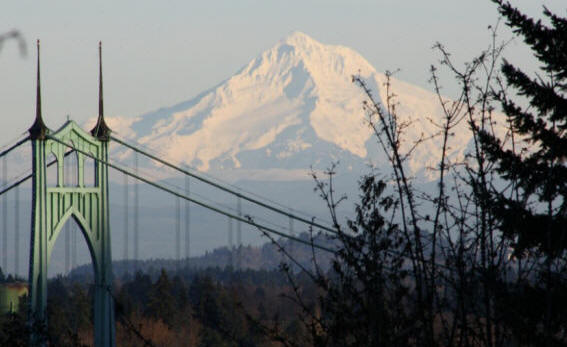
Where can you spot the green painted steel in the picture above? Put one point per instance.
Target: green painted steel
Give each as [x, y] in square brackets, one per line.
[54, 205]
[88, 206]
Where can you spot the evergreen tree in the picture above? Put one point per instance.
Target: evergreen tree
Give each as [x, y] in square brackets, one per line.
[13, 330]
[161, 303]
[533, 214]
[536, 215]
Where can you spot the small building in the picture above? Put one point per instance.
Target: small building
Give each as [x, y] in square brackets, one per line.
[10, 294]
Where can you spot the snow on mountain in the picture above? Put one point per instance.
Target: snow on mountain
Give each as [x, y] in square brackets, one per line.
[292, 107]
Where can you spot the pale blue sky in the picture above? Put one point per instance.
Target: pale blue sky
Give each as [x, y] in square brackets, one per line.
[158, 53]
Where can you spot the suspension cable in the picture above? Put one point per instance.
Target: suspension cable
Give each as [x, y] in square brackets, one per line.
[16, 145]
[244, 219]
[228, 184]
[200, 203]
[221, 187]
[25, 178]
[187, 223]
[226, 207]
[4, 219]
[15, 184]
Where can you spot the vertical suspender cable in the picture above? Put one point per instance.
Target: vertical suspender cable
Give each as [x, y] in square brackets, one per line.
[136, 231]
[5, 217]
[17, 232]
[291, 226]
[73, 233]
[230, 244]
[66, 229]
[195, 201]
[177, 232]
[126, 211]
[67, 233]
[239, 234]
[71, 228]
[223, 187]
[187, 221]
[291, 233]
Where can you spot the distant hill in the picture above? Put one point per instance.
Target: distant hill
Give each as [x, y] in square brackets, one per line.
[265, 257]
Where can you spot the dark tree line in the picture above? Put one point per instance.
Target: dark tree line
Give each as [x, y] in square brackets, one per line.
[208, 307]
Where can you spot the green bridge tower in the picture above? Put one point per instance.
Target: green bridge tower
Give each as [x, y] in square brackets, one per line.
[88, 205]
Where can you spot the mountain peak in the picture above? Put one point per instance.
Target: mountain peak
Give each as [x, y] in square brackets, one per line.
[320, 59]
[292, 107]
[298, 38]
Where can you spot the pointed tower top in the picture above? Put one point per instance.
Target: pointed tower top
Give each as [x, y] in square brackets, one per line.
[101, 130]
[38, 130]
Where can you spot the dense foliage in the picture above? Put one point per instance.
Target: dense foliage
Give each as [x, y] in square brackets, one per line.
[209, 307]
[538, 170]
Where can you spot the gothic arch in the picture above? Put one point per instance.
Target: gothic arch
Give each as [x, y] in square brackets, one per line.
[73, 213]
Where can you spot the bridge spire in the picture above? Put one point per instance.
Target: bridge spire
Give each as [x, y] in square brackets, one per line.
[101, 130]
[38, 130]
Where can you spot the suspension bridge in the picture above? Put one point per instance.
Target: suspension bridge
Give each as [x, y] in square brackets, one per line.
[70, 180]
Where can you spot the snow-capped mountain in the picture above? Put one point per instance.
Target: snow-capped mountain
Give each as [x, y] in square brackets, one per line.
[292, 107]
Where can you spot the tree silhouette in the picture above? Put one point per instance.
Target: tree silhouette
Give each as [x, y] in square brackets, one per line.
[481, 261]
[161, 303]
[537, 215]
[534, 217]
